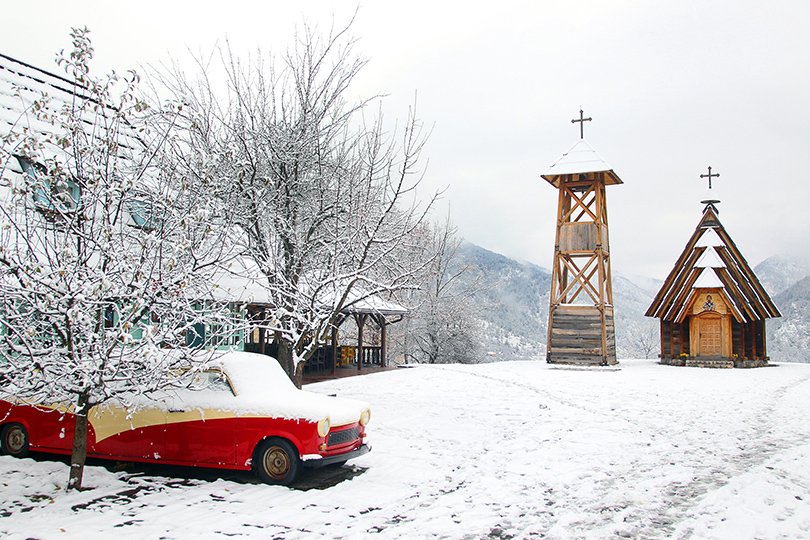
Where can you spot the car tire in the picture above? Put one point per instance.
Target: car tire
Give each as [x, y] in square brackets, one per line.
[14, 440]
[276, 461]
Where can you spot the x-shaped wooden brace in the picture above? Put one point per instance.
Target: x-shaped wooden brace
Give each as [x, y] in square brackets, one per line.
[580, 278]
[580, 203]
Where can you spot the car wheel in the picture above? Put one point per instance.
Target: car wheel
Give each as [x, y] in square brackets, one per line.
[14, 440]
[276, 461]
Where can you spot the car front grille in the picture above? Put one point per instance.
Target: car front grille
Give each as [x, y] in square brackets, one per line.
[342, 437]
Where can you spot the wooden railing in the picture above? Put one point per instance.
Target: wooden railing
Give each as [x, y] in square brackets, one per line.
[372, 356]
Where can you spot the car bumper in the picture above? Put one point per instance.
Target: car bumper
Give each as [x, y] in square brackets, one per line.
[340, 458]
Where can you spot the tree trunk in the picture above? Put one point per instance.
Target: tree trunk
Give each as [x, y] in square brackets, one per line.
[287, 361]
[79, 454]
[299, 375]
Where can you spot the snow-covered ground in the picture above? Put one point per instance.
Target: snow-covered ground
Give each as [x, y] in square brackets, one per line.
[502, 450]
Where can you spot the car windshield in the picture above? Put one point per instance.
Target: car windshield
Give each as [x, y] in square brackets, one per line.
[212, 380]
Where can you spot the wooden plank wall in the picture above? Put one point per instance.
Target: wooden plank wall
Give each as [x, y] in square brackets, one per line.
[582, 237]
[576, 336]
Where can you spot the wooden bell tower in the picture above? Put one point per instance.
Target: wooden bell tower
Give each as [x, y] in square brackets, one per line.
[580, 326]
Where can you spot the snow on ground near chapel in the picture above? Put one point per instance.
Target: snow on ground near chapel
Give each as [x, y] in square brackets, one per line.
[502, 450]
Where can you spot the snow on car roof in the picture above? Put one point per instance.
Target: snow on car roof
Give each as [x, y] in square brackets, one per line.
[263, 388]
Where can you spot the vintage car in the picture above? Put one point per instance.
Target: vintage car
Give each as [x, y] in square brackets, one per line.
[245, 413]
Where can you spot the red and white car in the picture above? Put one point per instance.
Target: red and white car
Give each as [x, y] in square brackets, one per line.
[248, 415]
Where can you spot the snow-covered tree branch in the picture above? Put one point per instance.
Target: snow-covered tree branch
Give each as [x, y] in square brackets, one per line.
[444, 327]
[320, 198]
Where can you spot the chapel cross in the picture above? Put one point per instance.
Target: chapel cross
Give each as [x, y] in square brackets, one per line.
[710, 176]
[581, 121]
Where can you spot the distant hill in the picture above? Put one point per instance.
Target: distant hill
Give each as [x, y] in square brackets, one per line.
[637, 336]
[779, 272]
[789, 336]
[514, 309]
[787, 280]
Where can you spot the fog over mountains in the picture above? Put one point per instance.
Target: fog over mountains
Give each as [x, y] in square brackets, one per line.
[514, 308]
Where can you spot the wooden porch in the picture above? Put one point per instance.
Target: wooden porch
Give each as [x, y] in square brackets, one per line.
[330, 359]
[341, 372]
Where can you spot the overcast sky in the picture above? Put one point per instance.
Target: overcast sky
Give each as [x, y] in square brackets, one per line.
[673, 88]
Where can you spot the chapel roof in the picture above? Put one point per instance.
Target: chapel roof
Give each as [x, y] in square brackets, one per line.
[711, 260]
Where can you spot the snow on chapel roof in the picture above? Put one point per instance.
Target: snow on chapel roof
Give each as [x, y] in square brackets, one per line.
[711, 260]
[581, 159]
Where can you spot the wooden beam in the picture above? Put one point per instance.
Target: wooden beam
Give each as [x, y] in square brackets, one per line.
[360, 320]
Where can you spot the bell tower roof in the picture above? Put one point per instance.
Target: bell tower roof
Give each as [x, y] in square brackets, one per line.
[581, 159]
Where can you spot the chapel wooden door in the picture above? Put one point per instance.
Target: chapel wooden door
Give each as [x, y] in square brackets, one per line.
[711, 336]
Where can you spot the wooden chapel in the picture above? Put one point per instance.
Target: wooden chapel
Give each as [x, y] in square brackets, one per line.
[712, 307]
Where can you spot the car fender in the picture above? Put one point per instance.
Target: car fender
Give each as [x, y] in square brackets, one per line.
[253, 430]
[10, 413]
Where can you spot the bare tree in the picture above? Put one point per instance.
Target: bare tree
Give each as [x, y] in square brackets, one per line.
[102, 252]
[444, 327]
[321, 199]
[649, 340]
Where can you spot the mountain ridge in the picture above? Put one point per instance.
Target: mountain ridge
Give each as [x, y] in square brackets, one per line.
[513, 310]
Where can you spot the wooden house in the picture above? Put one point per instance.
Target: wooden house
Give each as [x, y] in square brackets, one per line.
[712, 307]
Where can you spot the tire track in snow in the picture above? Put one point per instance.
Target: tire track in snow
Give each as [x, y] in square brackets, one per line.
[568, 402]
[759, 442]
[758, 446]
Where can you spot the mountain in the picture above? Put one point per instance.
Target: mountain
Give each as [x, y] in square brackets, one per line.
[779, 272]
[513, 309]
[789, 336]
[787, 280]
[637, 336]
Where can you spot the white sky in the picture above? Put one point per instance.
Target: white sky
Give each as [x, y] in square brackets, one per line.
[672, 87]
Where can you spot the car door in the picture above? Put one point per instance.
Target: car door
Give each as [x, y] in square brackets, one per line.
[128, 432]
[52, 427]
[199, 427]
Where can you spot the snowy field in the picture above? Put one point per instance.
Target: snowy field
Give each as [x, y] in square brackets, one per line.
[497, 451]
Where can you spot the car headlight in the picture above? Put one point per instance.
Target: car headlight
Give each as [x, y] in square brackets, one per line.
[365, 417]
[323, 427]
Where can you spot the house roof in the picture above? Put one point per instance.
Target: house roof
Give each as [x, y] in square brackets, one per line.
[241, 281]
[711, 260]
[21, 85]
[581, 159]
[373, 305]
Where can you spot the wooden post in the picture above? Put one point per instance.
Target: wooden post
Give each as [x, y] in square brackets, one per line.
[360, 319]
[383, 340]
[334, 348]
[600, 253]
[262, 332]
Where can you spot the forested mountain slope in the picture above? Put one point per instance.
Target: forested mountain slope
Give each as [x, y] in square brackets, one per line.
[789, 336]
[514, 309]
